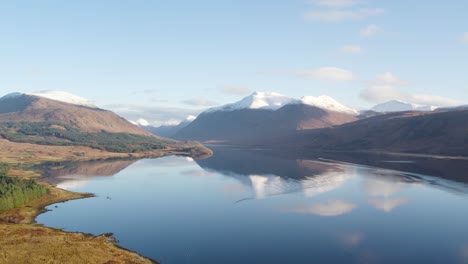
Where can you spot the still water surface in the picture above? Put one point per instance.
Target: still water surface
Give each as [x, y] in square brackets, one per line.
[252, 206]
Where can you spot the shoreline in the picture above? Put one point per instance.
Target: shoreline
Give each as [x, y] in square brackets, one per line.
[20, 224]
[22, 240]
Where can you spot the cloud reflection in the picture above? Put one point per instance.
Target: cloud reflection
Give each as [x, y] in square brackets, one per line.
[327, 182]
[387, 205]
[464, 254]
[70, 184]
[265, 185]
[382, 187]
[330, 208]
[351, 239]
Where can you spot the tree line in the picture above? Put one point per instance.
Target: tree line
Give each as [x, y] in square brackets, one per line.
[16, 192]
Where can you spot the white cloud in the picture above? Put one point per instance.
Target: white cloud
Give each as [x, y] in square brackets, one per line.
[342, 15]
[387, 78]
[142, 122]
[331, 208]
[334, 3]
[171, 122]
[352, 49]
[385, 88]
[465, 38]
[199, 102]
[326, 73]
[370, 30]
[237, 90]
[190, 118]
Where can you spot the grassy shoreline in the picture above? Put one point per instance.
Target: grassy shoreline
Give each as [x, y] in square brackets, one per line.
[23, 241]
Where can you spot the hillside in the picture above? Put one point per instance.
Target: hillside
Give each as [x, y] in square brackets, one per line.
[436, 133]
[61, 119]
[32, 108]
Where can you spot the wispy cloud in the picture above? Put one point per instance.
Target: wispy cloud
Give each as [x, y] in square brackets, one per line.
[351, 49]
[199, 102]
[387, 78]
[465, 38]
[334, 3]
[370, 30]
[155, 115]
[387, 86]
[342, 15]
[236, 90]
[326, 73]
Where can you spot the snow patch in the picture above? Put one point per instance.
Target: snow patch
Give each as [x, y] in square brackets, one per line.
[63, 97]
[273, 101]
[257, 100]
[326, 102]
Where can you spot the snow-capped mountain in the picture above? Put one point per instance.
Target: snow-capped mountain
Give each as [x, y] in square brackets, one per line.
[257, 100]
[54, 95]
[274, 101]
[400, 106]
[328, 103]
[63, 97]
[266, 115]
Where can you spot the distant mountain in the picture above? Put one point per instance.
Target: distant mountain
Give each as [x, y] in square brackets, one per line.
[61, 119]
[265, 115]
[399, 106]
[435, 133]
[167, 130]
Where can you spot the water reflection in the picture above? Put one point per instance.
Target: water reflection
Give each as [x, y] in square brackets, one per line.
[329, 208]
[255, 206]
[72, 175]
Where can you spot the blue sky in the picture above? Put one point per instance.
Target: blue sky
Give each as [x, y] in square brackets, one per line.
[162, 60]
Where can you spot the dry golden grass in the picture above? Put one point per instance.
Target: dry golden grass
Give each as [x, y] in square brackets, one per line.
[26, 153]
[23, 242]
[35, 245]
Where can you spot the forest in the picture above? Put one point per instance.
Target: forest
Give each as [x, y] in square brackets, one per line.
[50, 133]
[16, 192]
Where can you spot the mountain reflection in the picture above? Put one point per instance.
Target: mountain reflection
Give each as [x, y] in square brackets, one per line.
[271, 173]
[70, 175]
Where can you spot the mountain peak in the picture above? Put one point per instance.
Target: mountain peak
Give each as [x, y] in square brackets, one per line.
[326, 102]
[257, 100]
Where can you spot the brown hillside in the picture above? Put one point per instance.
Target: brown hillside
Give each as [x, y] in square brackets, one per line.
[438, 133]
[29, 108]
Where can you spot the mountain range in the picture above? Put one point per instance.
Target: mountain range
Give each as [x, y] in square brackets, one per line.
[55, 118]
[322, 123]
[263, 116]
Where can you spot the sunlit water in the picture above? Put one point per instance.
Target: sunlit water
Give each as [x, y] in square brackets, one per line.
[251, 207]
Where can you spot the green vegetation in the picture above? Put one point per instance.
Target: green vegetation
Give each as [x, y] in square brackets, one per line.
[16, 192]
[50, 133]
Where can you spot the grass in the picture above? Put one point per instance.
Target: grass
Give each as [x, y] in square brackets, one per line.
[21, 241]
